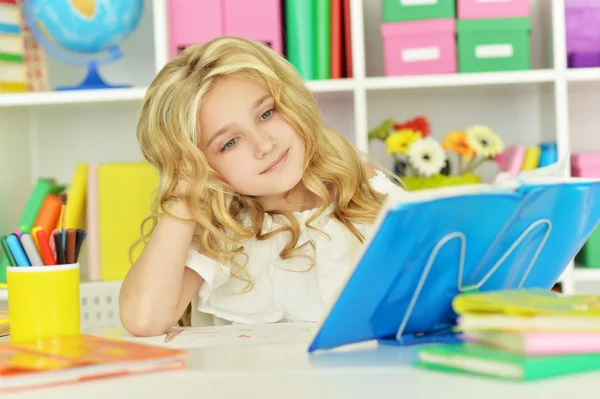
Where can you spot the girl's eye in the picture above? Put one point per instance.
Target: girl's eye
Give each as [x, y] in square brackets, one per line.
[267, 115]
[229, 145]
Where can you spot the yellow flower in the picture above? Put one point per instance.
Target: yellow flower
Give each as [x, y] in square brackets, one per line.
[485, 142]
[456, 141]
[401, 140]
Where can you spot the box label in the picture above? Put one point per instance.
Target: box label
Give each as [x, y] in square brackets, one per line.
[420, 54]
[494, 51]
[417, 2]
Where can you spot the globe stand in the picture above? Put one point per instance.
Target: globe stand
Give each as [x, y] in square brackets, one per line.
[92, 81]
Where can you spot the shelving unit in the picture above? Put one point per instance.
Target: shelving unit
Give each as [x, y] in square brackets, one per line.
[48, 133]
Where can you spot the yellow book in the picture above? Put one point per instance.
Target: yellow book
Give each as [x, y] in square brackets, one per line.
[75, 209]
[13, 87]
[532, 158]
[126, 192]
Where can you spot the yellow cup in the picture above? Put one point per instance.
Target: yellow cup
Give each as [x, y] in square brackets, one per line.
[43, 301]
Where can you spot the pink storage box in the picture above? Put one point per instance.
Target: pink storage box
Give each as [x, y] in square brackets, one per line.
[258, 20]
[483, 9]
[419, 47]
[585, 164]
[193, 22]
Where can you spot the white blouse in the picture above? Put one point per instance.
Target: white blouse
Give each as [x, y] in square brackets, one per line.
[283, 290]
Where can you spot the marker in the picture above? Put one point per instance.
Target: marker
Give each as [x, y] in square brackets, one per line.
[80, 236]
[9, 255]
[60, 252]
[35, 237]
[17, 250]
[45, 251]
[70, 248]
[30, 250]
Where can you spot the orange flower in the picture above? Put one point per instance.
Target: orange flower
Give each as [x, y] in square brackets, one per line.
[456, 141]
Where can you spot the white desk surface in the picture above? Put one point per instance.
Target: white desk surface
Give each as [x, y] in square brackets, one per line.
[288, 371]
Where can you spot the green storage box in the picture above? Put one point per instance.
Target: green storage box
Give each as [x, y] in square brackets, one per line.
[589, 256]
[413, 10]
[487, 45]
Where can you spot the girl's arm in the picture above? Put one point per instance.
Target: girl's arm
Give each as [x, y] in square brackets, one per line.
[159, 287]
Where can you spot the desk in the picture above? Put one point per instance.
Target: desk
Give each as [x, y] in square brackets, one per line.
[287, 371]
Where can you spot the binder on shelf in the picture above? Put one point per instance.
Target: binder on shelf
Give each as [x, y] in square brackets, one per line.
[431, 245]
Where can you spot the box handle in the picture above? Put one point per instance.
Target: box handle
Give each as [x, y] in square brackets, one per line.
[494, 51]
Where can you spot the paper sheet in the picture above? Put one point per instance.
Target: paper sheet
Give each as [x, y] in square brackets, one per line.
[229, 335]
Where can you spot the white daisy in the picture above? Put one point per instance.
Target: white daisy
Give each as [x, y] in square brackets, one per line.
[484, 141]
[427, 156]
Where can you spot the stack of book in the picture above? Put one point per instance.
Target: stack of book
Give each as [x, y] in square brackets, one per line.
[13, 69]
[521, 335]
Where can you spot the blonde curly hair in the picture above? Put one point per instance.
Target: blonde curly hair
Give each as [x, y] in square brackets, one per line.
[168, 133]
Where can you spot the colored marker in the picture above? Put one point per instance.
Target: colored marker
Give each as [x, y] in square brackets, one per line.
[45, 251]
[31, 250]
[60, 252]
[9, 255]
[17, 250]
[35, 237]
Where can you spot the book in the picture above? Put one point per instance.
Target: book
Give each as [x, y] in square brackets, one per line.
[428, 246]
[68, 359]
[301, 36]
[537, 344]
[323, 39]
[125, 195]
[485, 361]
[495, 322]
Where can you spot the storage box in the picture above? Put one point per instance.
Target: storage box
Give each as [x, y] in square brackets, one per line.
[258, 20]
[587, 164]
[482, 9]
[412, 10]
[193, 22]
[419, 47]
[582, 18]
[486, 45]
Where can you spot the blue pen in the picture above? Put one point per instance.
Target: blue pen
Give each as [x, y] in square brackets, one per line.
[17, 250]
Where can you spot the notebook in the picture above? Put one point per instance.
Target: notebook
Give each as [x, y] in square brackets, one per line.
[431, 245]
[537, 344]
[482, 360]
[69, 359]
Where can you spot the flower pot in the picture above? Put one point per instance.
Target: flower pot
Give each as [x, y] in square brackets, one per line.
[422, 183]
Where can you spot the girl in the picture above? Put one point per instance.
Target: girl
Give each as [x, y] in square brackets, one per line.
[263, 207]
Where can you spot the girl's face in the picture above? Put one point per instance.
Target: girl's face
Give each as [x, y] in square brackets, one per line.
[246, 140]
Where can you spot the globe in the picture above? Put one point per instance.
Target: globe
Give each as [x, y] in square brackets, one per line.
[83, 27]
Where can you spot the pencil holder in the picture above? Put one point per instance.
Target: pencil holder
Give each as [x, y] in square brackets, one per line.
[43, 301]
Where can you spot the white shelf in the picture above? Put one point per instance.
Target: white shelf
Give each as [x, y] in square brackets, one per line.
[72, 97]
[582, 274]
[332, 85]
[461, 79]
[130, 94]
[583, 74]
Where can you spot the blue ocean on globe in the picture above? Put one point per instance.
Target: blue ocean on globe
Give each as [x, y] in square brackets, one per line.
[87, 26]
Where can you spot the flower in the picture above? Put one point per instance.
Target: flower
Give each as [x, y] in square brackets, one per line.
[485, 142]
[420, 124]
[427, 156]
[401, 140]
[456, 141]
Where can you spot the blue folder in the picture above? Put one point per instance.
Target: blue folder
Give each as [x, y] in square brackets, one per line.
[426, 251]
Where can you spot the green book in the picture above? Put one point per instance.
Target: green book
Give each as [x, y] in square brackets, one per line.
[10, 57]
[483, 360]
[323, 38]
[300, 36]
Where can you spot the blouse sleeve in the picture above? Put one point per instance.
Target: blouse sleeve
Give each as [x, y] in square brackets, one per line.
[214, 273]
[381, 183]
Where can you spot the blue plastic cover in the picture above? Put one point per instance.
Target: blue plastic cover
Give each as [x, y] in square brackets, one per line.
[425, 252]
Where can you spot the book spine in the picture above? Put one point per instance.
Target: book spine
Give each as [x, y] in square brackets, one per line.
[323, 39]
[299, 15]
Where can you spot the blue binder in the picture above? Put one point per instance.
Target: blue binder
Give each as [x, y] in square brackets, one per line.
[425, 252]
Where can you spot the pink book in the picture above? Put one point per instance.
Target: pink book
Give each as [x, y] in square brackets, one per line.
[538, 344]
[93, 243]
[513, 160]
